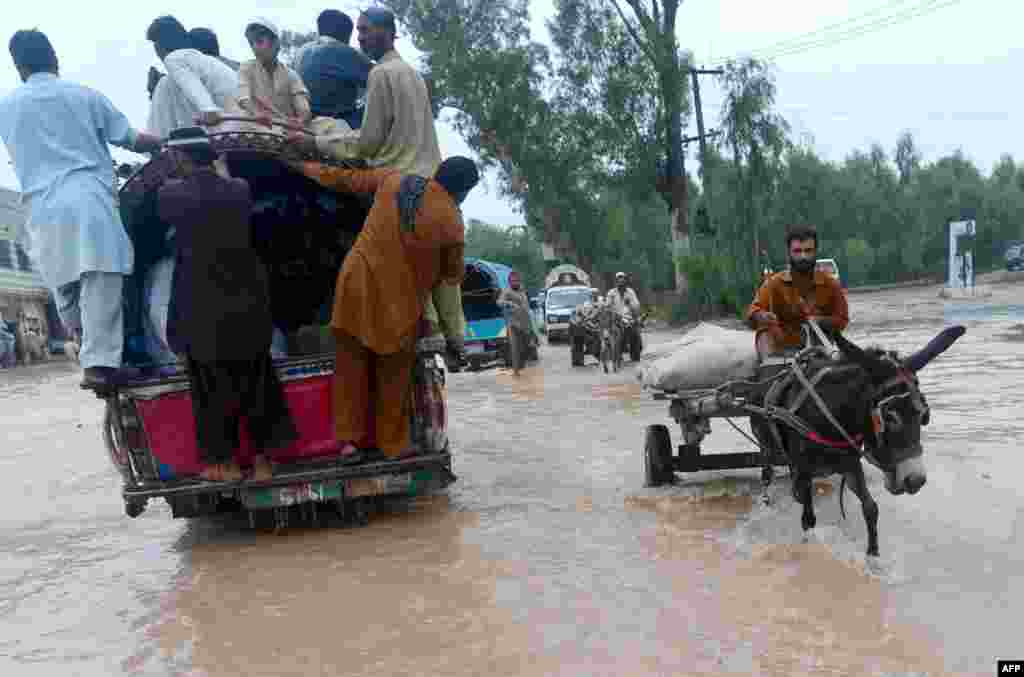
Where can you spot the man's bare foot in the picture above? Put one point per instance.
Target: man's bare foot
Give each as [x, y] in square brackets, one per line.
[262, 469]
[222, 472]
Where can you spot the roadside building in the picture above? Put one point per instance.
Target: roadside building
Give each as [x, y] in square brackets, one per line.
[23, 295]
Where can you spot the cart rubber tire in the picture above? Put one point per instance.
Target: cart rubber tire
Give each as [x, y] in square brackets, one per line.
[577, 352]
[658, 456]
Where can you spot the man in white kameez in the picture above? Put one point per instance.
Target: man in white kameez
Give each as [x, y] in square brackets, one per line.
[622, 299]
[195, 85]
[57, 134]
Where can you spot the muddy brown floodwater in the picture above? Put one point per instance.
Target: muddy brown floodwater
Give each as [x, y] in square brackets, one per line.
[547, 557]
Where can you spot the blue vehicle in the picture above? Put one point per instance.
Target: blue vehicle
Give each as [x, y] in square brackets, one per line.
[486, 328]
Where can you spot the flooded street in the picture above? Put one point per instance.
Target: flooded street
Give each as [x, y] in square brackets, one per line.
[548, 556]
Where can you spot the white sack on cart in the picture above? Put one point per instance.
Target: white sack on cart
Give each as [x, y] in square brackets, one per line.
[706, 357]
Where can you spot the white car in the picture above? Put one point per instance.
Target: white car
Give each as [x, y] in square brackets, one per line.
[559, 303]
[828, 266]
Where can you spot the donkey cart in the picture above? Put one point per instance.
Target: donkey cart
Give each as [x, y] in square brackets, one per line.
[693, 409]
[819, 411]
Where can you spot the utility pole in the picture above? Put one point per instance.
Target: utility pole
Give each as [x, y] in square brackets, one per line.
[706, 178]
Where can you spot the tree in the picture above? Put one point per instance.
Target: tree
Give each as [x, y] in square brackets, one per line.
[654, 30]
[509, 245]
[562, 129]
[757, 138]
[907, 157]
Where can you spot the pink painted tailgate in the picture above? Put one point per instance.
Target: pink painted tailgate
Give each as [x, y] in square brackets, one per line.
[171, 432]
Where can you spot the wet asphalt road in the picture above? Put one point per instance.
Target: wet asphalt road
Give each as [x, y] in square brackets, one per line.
[548, 557]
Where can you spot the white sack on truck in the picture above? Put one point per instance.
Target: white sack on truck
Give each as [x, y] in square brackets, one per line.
[706, 357]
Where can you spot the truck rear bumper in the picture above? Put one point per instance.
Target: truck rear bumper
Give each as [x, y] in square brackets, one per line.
[354, 480]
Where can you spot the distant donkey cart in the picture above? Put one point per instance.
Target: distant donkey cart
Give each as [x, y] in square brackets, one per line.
[819, 411]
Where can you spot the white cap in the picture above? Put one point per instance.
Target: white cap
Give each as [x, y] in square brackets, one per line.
[265, 23]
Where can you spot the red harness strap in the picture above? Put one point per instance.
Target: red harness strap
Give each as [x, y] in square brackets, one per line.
[836, 444]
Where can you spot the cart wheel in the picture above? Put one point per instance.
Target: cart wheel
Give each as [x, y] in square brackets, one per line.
[658, 456]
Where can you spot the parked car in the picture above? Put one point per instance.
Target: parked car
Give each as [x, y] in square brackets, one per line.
[831, 267]
[537, 309]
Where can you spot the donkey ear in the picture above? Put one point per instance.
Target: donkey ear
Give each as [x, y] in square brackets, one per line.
[935, 347]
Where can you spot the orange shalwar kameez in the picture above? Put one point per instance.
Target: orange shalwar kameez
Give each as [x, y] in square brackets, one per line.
[379, 300]
[794, 298]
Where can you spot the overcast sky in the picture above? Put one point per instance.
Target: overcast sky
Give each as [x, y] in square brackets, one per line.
[949, 74]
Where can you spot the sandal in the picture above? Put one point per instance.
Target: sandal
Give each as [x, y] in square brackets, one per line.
[222, 472]
[262, 469]
[350, 454]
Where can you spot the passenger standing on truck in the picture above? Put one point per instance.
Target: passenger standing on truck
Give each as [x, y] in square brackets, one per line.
[267, 86]
[57, 134]
[398, 132]
[195, 85]
[335, 73]
[413, 238]
[220, 311]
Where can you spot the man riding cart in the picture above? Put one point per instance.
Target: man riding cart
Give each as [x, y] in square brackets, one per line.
[585, 329]
[784, 304]
[625, 305]
[817, 402]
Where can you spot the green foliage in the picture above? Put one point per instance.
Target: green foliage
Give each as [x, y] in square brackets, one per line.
[720, 284]
[584, 122]
[512, 246]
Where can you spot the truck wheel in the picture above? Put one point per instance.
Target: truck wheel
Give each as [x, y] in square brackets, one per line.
[658, 456]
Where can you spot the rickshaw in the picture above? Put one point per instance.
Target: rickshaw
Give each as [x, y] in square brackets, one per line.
[487, 327]
[302, 233]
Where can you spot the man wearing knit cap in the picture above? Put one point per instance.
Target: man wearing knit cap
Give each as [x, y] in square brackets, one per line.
[265, 85]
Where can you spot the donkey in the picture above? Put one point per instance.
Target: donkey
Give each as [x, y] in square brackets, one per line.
[874, 397]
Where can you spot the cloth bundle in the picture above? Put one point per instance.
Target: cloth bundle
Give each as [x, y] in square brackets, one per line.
[706, 357]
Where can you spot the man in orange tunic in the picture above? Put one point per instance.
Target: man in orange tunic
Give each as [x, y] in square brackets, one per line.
[788, 298]
[413, 239]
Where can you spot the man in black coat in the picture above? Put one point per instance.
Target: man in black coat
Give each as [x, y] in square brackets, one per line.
[220, 311]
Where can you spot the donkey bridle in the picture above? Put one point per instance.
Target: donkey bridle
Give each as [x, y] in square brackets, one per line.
[787, 415]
